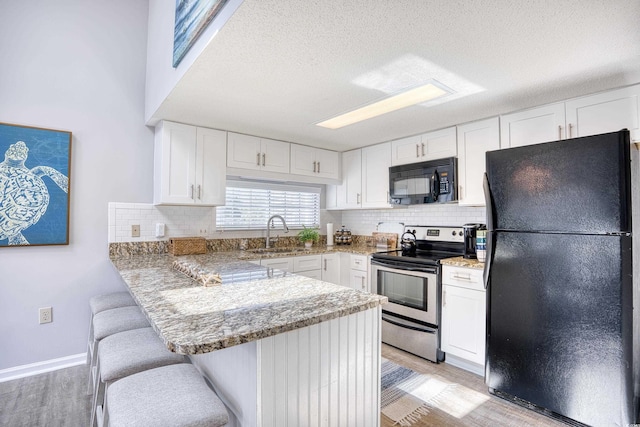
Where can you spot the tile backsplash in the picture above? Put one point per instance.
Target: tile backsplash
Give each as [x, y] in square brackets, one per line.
[449, 214]
[189, 221]
[179, 221]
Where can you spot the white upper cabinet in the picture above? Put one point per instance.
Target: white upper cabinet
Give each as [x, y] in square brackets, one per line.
[541, 124]
[365, 179]
[588, 115]
[605, 112]
[376, 160]
[349, 193]
[474, 140]
[253, 153]
[315, 162]
[189, 166]
[432, 145]
[406, 150]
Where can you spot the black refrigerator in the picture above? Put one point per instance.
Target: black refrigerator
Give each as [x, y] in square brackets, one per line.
[559, 279]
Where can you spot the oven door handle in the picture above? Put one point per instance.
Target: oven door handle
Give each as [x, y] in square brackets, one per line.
[413, 326]
[404, 267]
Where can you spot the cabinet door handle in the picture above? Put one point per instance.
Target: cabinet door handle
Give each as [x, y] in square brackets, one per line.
[199, 191]
[264, 159]
[570, 129]
[358, 199]
[417, 150]
[318, 167]
[362, 279]
[559, 132]
[325, 265]
[192, 191]
[444, 298]
[460, 194]
[258, 159]
[314, 167]
[423, 149]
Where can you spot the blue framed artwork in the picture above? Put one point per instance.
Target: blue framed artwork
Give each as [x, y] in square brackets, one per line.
[192, 17]
[34, 186]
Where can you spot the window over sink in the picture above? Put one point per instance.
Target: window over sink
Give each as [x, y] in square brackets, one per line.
[249, 204]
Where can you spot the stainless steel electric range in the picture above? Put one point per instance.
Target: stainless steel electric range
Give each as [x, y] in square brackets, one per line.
[411, 277]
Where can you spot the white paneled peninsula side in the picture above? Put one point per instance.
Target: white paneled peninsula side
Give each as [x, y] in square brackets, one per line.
[279, 349]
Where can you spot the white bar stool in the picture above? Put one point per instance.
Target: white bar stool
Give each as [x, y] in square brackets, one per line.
[170, 396]
[127, 353]
[111, 322]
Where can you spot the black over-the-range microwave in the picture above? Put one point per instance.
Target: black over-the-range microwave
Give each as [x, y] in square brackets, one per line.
[425, 182]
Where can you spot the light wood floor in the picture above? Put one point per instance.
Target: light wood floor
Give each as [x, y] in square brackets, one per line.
[58, 399]
[470, 403]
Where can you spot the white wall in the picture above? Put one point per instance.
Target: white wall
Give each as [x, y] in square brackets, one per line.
[73, 65]
[161, 76]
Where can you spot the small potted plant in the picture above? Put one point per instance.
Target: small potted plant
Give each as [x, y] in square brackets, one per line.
[308, 236]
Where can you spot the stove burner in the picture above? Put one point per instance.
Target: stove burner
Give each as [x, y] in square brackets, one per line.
[426, 245]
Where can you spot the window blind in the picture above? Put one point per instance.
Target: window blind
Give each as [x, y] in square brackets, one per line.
[250, 204]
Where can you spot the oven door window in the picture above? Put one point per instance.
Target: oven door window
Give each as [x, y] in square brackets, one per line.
[403, 289]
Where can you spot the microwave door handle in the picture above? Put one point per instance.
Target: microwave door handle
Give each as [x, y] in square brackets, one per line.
[435, 185]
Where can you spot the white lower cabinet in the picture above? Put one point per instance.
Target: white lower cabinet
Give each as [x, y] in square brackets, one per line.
[308, 266]
[284, 264]
[331, 268]
[463, 329]
[356, 272]
[345, 269]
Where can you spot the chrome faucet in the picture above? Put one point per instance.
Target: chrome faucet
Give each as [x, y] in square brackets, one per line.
[269, 222]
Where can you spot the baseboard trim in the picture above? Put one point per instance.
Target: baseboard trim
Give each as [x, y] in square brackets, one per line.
[42, 367]
[467, 365]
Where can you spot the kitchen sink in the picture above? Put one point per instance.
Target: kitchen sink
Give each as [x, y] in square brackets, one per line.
[276, 250]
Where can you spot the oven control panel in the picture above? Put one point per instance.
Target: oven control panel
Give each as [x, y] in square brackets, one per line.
[434, 233]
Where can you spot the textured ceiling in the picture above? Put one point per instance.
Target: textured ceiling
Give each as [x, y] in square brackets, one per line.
[279, 66]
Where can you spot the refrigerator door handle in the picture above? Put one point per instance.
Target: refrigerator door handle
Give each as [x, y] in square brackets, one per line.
[486, 274]
[489, 202]
[490, 228]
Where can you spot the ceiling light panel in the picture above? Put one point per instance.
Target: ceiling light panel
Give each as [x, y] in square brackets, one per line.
[417, 95]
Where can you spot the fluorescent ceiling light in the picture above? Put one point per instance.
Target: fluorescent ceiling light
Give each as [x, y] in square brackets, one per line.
[408, 98]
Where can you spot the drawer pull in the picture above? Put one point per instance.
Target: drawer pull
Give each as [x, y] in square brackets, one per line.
[461, 277]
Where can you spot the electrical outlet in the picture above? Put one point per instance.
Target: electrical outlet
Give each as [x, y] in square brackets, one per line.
[46, 315]
[135, 231]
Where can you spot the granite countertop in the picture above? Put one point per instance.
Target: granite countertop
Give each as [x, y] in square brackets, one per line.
[253, 302]
[314, 250]
[463, 262]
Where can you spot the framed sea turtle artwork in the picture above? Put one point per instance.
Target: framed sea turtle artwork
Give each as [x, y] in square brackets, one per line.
[34, 186]
[192, 17]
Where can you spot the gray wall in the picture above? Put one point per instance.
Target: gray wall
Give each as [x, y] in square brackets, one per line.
[79, 66]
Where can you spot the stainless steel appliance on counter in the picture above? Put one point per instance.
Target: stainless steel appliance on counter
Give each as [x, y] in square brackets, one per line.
[425, 182]
[561, 300]
[412, 280]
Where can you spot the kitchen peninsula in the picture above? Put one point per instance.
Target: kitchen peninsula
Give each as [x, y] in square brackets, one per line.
[278, 348]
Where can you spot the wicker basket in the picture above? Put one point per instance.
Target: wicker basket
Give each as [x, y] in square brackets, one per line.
[187, 245]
